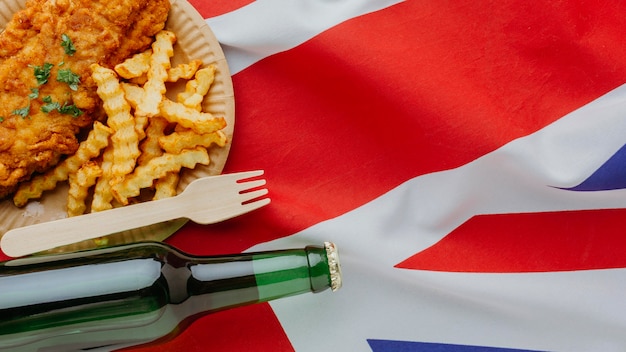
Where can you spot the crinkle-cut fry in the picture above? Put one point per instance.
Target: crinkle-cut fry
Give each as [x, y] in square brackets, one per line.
[102, 195]
[150, 147]
[165, 187]
[133, 94]
[134, 66]
[183, 71]
[197, 88]
[125, 150]
[177, 141]
[79, 183]
[154, 88]
[125, 139]
[139, 81]
[140, 125]
[144, 175]
[200, 122]
[97, 139]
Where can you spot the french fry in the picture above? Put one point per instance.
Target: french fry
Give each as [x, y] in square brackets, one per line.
[175, 142]
[197, 88]
[80, 182]
[156, 168]
[200, 122]
[183, 71]
[165, 187]
[135, 66]
[154, 88]
[97, 139]
[150, 147]
[102, 195]
[125, 139]
[133, 94]
[139, 81]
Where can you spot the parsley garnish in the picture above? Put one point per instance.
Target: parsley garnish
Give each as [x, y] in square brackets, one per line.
[23, 112]
[66, 43]
[51, 106]
[66, 109]
[34, 93]
[42, 73]
[67, 76]
[70, 110]
[1, 119]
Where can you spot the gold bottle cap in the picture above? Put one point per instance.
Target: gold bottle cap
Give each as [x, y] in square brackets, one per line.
[333, 265]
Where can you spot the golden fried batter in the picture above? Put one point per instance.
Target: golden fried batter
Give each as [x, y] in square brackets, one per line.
[101, 31]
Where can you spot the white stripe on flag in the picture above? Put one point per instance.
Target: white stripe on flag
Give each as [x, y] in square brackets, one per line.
[267, 27]
[569, 311]
[564, 311]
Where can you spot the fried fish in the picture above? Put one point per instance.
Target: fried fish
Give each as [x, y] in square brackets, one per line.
[47, 95]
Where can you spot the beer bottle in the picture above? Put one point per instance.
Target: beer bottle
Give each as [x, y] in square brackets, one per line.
[143, 292]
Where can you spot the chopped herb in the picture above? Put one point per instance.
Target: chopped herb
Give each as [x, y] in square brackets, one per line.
[23, 112]
[67, 44]
[66, 109]
[1, 119]
[50, 106]
[69, 77]
[34, 93]
[70, 110]
[42, 73]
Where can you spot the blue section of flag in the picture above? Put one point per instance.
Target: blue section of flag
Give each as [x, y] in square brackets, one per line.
[611, 175]
[409, 346]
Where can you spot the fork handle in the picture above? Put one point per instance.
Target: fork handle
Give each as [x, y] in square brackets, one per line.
[39, 237]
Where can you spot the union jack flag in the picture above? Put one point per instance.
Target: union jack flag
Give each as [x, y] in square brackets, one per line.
[466, 157]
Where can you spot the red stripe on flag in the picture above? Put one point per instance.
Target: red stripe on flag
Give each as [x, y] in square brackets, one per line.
[209, 9]
[532, 242]
[234, 330]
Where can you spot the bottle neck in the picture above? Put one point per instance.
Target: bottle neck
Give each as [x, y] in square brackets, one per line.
[295, 271]
[264, 276]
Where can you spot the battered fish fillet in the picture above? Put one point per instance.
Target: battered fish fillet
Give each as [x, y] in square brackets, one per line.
[102, 31]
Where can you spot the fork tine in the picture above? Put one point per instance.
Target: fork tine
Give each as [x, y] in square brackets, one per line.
[248, 207]
[248, 196]
[247, 174]
[250, 184]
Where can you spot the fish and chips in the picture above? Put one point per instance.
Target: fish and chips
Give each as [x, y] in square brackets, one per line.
[148, 138]
[47, 95]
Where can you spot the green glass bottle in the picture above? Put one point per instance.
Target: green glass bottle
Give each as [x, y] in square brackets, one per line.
[143, 293]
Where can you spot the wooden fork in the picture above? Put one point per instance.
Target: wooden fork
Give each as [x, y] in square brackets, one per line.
[205, 201]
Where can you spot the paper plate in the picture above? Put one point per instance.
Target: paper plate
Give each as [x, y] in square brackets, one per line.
[195, 41]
